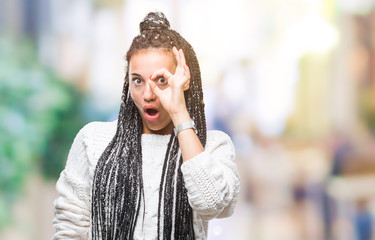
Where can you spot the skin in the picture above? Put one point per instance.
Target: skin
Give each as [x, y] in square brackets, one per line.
[157, 80]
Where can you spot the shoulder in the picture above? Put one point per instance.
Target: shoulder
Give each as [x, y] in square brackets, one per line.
[216, 136]
[219, 140]
[96, 131]
[91, 140]
[96, 126]
[96, 135]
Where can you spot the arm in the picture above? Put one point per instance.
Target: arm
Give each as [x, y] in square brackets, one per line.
[211, 178]
[72, 207]
[210, 174]
[173, 101]
[190, 144]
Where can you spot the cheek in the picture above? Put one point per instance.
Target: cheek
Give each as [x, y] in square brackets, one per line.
[135, 95]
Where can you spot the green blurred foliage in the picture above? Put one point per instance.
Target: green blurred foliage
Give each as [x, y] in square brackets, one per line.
[40, 114]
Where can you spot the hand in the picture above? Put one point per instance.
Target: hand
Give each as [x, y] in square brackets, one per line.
[172, 97]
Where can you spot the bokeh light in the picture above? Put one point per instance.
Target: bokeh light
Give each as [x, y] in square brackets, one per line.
[291, 81]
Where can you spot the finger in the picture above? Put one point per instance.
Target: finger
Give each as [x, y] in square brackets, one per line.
[161, 72]
[174, 49]
[181, 63]
[187, 74]
[155, 89]
[182, 57]
[187, 71]
[175, 53]
[179, 57]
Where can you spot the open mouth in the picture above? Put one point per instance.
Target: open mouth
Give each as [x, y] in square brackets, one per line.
[152, 112]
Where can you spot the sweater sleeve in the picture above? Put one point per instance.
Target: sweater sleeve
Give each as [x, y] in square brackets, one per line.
[212, 179]
[72, 207]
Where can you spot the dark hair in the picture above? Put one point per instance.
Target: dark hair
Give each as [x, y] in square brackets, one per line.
[118, 186]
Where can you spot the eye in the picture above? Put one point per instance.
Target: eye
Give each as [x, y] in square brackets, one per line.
[137, 81]
[162, 81]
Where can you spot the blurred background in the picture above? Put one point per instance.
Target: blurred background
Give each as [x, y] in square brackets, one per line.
[291, 81]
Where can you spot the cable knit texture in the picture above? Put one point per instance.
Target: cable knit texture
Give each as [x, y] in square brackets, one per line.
[211, 179]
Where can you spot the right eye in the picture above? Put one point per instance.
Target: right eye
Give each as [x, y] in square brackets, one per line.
[137, 81]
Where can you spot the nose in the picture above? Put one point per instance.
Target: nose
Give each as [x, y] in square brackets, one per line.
[148, 94]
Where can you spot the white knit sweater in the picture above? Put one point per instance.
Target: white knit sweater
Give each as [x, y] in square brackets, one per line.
[211, 179]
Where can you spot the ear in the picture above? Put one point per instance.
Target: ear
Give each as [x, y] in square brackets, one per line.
[187, 85]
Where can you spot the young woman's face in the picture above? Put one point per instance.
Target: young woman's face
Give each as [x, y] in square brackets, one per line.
[142, 65]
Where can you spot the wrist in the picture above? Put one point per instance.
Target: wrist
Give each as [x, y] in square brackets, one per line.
[179, 118]
[184, 126]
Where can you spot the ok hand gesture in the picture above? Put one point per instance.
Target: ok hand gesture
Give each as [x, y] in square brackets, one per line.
[172, 97]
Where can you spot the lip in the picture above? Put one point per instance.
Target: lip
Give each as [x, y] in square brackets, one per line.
[148, 116]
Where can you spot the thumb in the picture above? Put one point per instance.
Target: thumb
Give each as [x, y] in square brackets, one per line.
[155, 89]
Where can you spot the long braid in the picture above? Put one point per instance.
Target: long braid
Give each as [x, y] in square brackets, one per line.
[118, 183]
[162, 181]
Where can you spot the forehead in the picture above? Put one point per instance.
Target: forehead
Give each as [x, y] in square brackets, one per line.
[151, 59]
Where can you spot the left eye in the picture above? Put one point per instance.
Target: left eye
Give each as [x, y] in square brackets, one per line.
[162, 81]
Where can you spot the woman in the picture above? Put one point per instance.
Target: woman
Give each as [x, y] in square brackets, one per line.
[155, 172]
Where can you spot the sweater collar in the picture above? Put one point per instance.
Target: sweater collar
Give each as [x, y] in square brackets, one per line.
[156, 139]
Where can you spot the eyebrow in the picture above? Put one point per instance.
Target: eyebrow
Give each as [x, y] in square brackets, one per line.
[136, 75]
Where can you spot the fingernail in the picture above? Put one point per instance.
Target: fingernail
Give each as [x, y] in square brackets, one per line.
[150, 76]
[186, 64]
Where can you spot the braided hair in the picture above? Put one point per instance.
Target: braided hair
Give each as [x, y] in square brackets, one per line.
[117, 191]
